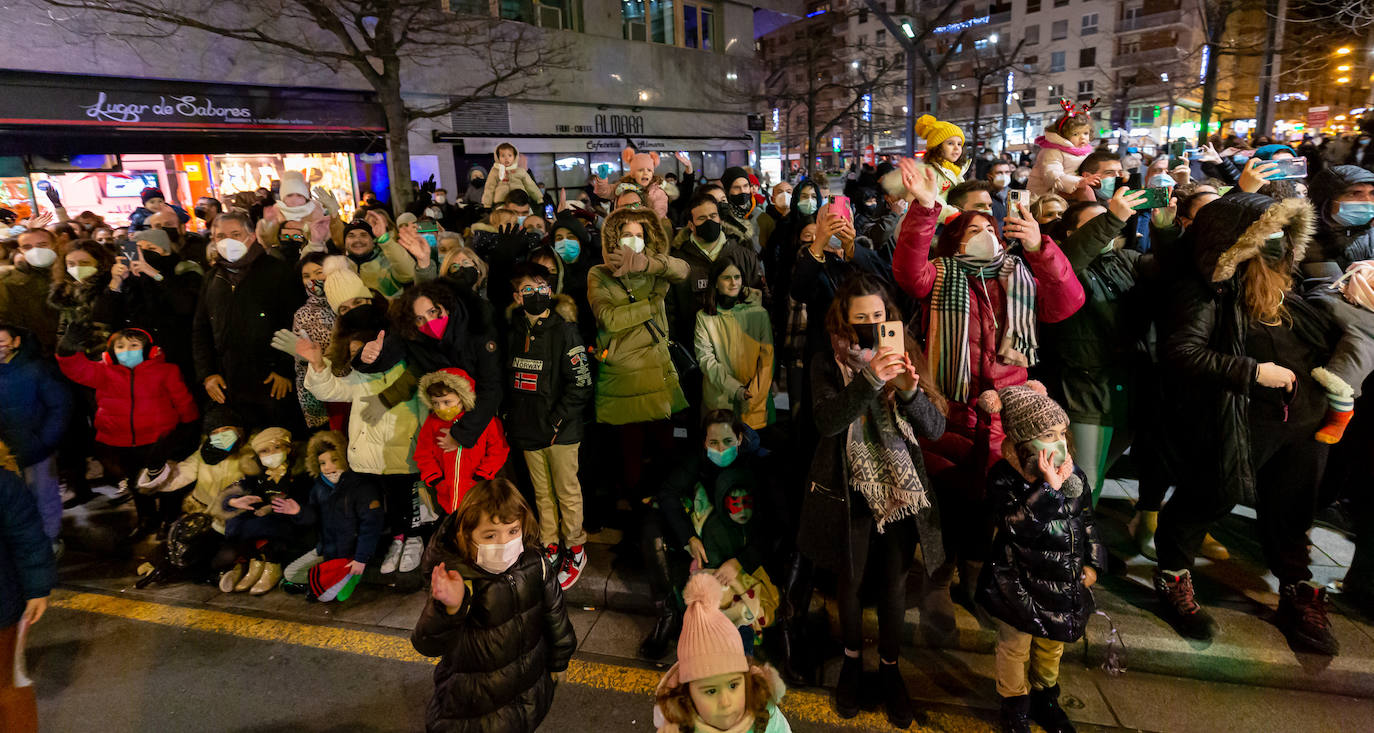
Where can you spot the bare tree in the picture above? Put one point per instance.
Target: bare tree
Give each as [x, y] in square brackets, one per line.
[385, 42]
[987, 69]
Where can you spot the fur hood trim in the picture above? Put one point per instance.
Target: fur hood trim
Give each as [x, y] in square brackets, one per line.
[319, 443]
[455, 379]
[563, 305]
[655, 240]
[1293, 216]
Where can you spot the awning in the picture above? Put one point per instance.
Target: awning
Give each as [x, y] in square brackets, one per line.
[43, 113]
[572, 144]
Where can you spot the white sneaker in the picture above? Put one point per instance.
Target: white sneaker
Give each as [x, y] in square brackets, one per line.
[393, 557]
[410, 555]
[574, 562]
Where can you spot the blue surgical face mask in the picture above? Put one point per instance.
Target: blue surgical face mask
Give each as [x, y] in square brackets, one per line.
[567, 249]
[1354, 213]
[1162, 179]
[129, 359]
[807, 206]
[224, 440]
[1107, 187]
[723, 458]
[1239, 160]
[521, 220]
[432, 239]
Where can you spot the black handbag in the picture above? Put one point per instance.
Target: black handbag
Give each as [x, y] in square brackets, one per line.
[684, 358]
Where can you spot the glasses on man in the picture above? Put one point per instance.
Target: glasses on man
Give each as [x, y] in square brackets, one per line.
[535, 289]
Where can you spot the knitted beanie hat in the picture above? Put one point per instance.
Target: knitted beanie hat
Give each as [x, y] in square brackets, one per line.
[342, 286]
[268, 437]
[294, 182]
[935, 132]
[1267, 152]
[1026, 409]
[152, 193]
[710, 643]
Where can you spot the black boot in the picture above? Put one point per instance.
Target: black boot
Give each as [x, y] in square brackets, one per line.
[1045, 710]
[795, 663]
[896, 698]
[1179, 607]
[847, 689]
[1016, 714]
[668, 626]
[1302, 617]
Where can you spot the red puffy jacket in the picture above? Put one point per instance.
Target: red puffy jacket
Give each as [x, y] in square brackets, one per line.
[136, 406]
[452, 473]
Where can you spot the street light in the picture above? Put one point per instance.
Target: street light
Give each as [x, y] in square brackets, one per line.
[1343, 67]
[1343, 50]
[908, 30]
[993, 39]
[1343, 80]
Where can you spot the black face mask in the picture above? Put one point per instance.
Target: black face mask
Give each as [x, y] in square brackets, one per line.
[870, 209]
[368, 256]
[201, 213]
[741, 200]
[465, 278]
[708, 231]
[173, 234]
[163, 263]
[536, 303]
[867, 333]
[212, 455]
[479, 182]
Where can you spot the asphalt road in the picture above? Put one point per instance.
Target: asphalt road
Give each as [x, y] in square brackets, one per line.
[112, 673]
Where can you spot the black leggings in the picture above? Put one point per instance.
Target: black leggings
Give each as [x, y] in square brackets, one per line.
[892, 551]
[398, 494]
[1288, 466]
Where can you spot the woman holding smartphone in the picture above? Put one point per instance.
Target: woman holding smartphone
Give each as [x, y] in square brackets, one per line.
[870, 499]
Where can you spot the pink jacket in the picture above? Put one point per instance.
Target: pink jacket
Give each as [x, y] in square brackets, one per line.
[1058, 295]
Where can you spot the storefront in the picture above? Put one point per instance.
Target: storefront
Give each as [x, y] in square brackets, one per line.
[564, 144]
[101, 140]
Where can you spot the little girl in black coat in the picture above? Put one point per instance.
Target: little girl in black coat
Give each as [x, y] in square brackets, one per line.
[495, 615]
[1045, 556]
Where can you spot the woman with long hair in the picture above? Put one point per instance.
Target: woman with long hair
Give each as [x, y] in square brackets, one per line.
[1240, 347]
[870, 499]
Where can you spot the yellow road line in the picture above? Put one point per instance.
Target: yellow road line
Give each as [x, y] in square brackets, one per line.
[803, 705]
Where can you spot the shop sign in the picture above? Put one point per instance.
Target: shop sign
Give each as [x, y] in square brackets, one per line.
[573, 145]
[193, 172]
[537, 119]
[1317, 117]
[60, 99]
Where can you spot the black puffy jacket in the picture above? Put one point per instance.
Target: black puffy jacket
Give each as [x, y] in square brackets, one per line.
[499, 649]
[1033, 580]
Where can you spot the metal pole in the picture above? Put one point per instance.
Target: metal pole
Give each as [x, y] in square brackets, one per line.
[1006, 92]
[1264, 112]
[1169, 121]
[910, 100]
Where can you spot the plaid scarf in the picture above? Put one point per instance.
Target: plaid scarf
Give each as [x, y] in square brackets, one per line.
[948, 341]
[881, 468]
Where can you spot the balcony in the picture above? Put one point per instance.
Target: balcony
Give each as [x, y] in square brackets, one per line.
[1152, 21]
[1145, 57]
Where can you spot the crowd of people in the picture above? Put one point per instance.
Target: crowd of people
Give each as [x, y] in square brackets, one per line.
[942, 364]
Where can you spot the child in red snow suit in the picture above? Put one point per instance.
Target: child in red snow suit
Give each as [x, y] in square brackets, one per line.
[143, 411]
[447, 468]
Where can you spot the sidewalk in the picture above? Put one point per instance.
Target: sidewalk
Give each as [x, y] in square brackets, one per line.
[1247, 650]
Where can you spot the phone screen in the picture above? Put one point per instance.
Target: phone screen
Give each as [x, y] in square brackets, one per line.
[1176, 149]
[548, 211]
[130, 251]
[1289, 168]
[1156, 197]
[427, 227]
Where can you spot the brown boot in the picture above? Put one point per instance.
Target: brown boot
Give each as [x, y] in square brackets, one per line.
[230, 578]
[1213, 550]
[249, 578]
[271, 575]
[937, 608]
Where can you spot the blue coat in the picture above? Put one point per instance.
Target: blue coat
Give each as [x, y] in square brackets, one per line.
[27, 567]
[348, 516]
[35, 406]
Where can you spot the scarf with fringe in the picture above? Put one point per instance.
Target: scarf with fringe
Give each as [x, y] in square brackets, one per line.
[947, 344]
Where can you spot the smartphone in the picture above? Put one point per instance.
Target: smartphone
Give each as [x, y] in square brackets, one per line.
[1288, 168]
[427, 227]
[1015, 198]
[890, 336]
[129, 249]
[1156, 197]
[548, 211]
[1176, 149]
[839, 206]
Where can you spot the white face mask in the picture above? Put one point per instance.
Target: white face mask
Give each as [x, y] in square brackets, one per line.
[1001, 179]
[40, 257]
[81, 272]
[982, 247]
[333, 476]
[439, 199]
[635, 244]
[497, 559]
[272, 460]
[232, 250]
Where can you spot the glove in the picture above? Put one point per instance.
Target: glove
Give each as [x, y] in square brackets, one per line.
[285, 341]
[373, 408]
[327, 200]
[631, 261]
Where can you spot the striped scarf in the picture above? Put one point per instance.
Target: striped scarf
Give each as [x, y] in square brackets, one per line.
[948, 340]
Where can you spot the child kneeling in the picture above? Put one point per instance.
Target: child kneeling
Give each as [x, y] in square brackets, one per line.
[496, 616]
[714, 687]
[1045, 556]
[347, 512]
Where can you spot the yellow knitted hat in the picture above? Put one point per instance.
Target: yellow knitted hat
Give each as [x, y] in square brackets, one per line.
[935, 132]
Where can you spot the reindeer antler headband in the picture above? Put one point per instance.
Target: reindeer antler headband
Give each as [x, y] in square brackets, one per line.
[1071, 110]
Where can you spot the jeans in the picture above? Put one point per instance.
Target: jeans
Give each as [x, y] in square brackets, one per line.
[41, 478]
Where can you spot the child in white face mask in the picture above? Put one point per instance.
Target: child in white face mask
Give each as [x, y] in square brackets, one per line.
[495, 615]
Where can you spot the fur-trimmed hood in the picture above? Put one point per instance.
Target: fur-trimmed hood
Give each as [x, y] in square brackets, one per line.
[455, 379]
[655, 241]
[563, 305]
[321, 442]
[1231, 230]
